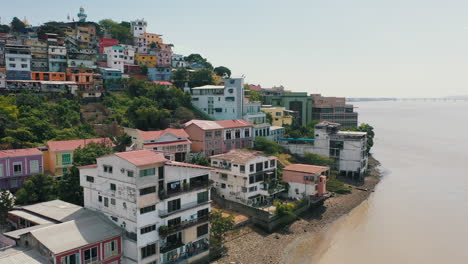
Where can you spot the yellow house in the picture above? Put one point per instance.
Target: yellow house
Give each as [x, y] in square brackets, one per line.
[146, 59]
[281, 116]
[150, 37]
[58, 158]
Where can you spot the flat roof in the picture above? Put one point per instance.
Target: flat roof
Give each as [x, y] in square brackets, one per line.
[351, 133]
[57, 210]
[17, 255]
[239, 155]
[30, 217]
[306, 168]
[208, 87]
[17, 233]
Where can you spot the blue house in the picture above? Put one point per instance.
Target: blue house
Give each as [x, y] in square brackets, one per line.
[160, 74]
[110, 77]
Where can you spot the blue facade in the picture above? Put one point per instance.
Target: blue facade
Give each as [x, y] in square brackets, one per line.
[110, 76]
[18, 75]
[160, 74]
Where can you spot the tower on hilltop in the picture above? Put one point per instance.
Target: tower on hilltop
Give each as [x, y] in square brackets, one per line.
[139, 27]
[81, 15]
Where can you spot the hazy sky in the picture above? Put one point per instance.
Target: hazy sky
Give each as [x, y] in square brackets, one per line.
[334, 47]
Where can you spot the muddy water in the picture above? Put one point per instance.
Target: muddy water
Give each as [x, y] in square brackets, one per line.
[419, 211]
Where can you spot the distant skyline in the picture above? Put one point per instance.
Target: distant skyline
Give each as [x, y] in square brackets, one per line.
[359, 48]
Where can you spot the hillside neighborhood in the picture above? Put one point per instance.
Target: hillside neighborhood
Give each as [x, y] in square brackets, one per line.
[116, 150]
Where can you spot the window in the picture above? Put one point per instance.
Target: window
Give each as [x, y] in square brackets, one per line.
[272, 163]
[11, 59]
[217, 133]
[90, 255]
[161, 173]
[202, 230]
[238, 133]
[66, 159]
[147, 229]
[24, 66]
[149, 250]
[106, 202]
[110, 248]
[112, 201]
[259, 166]
[202, 213]
[252, 168]
[266, 164]
[247, 132]
[253, 189]
[113, 187]
[173, 205]
[89, 178]
[147, 209]
[17, 168]
[130, 173]
[174, 222]
[148, 172]
[224, 176]
[12, 65]
[228, 134]
[148, 190]
[100, 198]
[107, 168]
[208, 134]
[70, 259]
[202, 197]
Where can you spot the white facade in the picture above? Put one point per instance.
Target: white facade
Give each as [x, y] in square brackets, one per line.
[118, 56]
[139, 27]
[244, 176]
[146, 198]
[178, 61]
[18, 62]
[57, 50]
[276, 132]
[221, 102]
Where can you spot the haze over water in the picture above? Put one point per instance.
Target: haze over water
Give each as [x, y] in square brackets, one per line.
[419, 211]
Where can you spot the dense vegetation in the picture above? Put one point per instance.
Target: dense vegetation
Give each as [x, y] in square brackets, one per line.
[120, 31]
[28, 120]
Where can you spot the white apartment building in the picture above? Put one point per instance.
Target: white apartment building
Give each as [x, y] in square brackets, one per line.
[139, 27]
[118, 56]
[220, 102]
[17, 58]
[162, 205]
[245, 176]
[178, 61]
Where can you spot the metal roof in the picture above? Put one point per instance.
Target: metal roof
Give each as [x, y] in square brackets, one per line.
[208, 87]
[30, 217]
[57, 210]
[17, 255]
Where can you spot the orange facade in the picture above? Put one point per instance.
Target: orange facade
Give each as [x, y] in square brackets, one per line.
[48, 76]
[83, 77]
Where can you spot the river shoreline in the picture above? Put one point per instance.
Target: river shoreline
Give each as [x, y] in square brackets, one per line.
[253, 245]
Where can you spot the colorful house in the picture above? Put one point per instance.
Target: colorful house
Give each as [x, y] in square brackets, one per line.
[148, 60]
[106, 42]
[305, 181]
[280, 115]
[160, 74]
[48, 76]
[18, 165]
[58, 155]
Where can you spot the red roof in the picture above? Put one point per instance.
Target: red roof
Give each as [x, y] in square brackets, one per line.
[88, 166]
[188, 165]
[162, 83]
[306, 168]
[255, 87]
[141, 157]
[74, 144]
[168, 143]
[19, 152]
[152, 135]
[233, 123]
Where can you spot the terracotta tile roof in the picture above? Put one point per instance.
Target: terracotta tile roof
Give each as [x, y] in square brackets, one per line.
[182, 164]
[152, 135]
[306, 168]
[162, 82]
[141, 157]
[74, 144]
[19, 152]
[168, 143]
[239, 155]
[233, 123]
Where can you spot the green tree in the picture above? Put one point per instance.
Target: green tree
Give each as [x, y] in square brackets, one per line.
[153, 45]
[39, 188]
[253, 95]
[219, 227]
[180, 77]
[200, 78]
[183, 114]
[145, 115]
[200, 160]
[221, 71]
[268, 146]
[121, 31]
[19, 138]
[7, 201]
[4, 29]
[17, 25]
[370, 133]
[269, 118]
[315, 159]
[121, 142]
[197, 58]
[49, 27]
[88, 154]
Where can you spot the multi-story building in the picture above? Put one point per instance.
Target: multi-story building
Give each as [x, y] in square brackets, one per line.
[164, 55]
[60, 232]
[220, 102]
[152, 38]
[83, 34]
[163, 206]
[58, 155]
[110, 78]
[253, 115]
[276, 133]
[81, 57]
[215, 137]
[57, 58]
[18, 62]
[245, 176]
[106, 42]
[18, 165]
[48, 76]
[160, 74]
[141, 47]
[119, 56]
[172, 143]
[39, 54]
[334, 109]
[139, 27]
[280, 115]
[41, 86]
[84, 77]
[148, 60]
[178, 61]
[298, 102]
[305, 181]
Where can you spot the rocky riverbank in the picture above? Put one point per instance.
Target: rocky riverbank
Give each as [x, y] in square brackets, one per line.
[252, 245]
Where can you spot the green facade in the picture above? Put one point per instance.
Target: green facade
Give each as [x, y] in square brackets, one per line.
[296, 101]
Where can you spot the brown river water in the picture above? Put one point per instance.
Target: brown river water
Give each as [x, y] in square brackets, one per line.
[419, 211]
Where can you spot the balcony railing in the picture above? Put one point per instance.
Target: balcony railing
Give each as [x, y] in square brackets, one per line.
[187, 252]
[165, 213]
[171, 246]
[183, 189]
[167, 230]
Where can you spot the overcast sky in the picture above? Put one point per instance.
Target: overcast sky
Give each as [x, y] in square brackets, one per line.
[355, 48]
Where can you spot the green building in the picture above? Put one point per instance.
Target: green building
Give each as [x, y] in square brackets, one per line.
[295, 101]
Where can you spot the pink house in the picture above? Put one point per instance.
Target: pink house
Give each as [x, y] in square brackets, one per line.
[18, 165]
[216, 137]
[305, 181]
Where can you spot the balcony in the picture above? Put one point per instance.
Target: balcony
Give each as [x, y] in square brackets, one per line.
[186, 252]
[272, 188]
[169, 246]
[187, 206]
[180, 189]
[167, 230]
